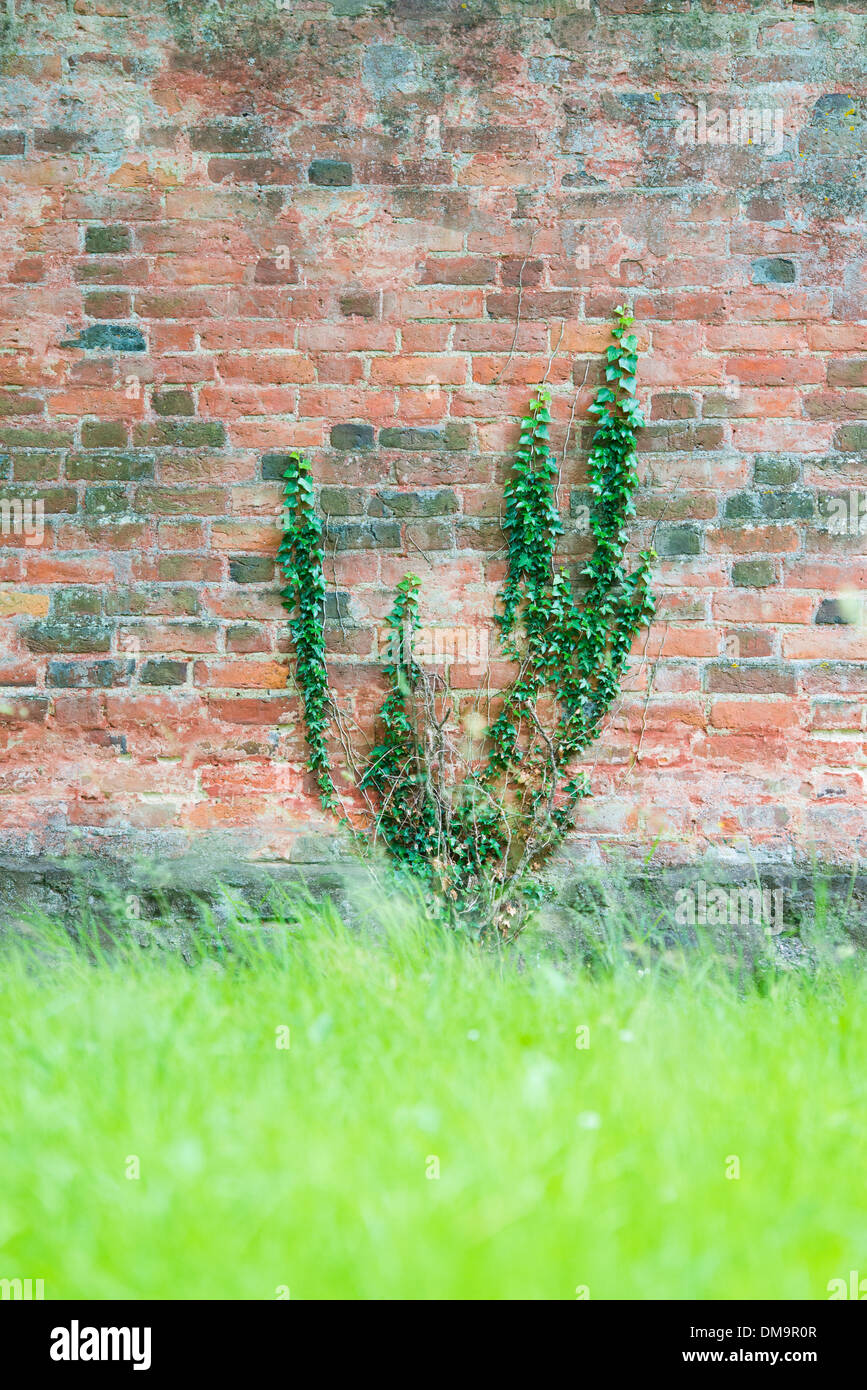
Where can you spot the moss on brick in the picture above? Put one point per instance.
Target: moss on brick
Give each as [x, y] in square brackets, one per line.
[440, 501]
[70, 635]
[26, 438]
[274, 467]
[851, 439]
[16, 403]
[251, 569]
[108, 337]
[54, 499]
[330, 173]
[452, 437]
[80, 675]
[674, 541]
[103, 434]
[77, 601]
[773, 270]
[107, 241]
[753, 574]
[366, 535]
[212, 33]
[791, 504]
[41, 466]
[350, 436]
[106, 467]
[360, 304]
[164, 673]
[107, 304]
[200, 434]
[772, 470]
[109, 502]
[173, 402]
[342, 501]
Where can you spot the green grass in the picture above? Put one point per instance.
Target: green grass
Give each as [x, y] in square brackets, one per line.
[306, 1167]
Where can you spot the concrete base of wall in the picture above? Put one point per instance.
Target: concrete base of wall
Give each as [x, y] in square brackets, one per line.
[740, 906]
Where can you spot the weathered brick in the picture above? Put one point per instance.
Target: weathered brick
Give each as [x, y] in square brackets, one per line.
[199, 434]
[412, 437]
[753, 574]
[330, 173]
[11, 143]
[236, 137]
[173, 402]
[251, 569]
[164, 673]
[103, 434]
[850, 371]
[79, 675]
[107, 240]
[109, 467]
[71, 635]
[779, 471]
[108, 337]
[366, 535]
[832, 612]
[359, 303]
[773, 270]
[790, 504]
[77, 601]
[678, 540]
[851, 438]
[351, 436]
[424, 502]
[736, 678]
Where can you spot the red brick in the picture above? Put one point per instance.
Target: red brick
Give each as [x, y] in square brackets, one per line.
[241, 675]
[418, 371]
[826, 644]
[247, 710]
[746, 606]
[753, 714]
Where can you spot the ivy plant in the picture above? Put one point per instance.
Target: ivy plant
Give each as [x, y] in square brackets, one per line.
[477, 828]
[301, 558]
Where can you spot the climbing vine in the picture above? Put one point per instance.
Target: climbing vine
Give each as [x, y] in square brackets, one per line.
[473, 806]
[301, 558]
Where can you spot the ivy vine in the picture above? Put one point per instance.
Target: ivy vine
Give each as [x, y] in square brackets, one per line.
[478, 837]
[301, 558]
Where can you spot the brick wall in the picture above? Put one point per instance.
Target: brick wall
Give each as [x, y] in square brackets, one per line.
[370, 240]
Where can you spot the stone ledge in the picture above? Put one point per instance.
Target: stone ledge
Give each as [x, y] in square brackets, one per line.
[661, 899]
